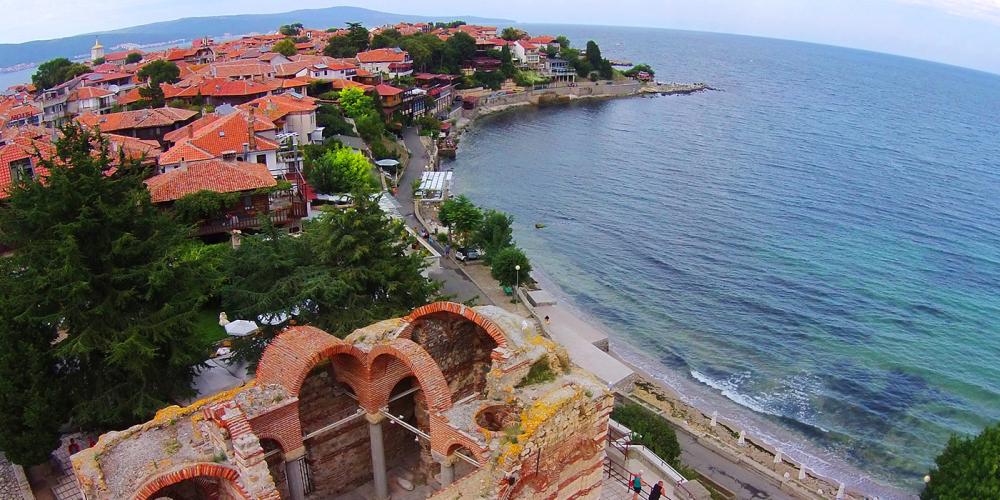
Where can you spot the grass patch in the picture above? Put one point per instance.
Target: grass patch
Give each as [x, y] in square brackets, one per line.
[207, 329]
[651, 431]
[539, 373]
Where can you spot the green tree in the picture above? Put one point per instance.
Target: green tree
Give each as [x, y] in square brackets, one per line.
[258, 284]
[99, 61]
[593, 54]
[355, 102]
[118, 278]
[650, 430]
[152, 97]
[386, 38]
[459, 48]
[371, 128]
[331, 118]
[57, 71]
[358, 35]
[461, 216]
[338, 171]
[511, 33]
[425, 49]
[490, 79]
[507, 62]
[634, 70]
[291, 29]
[348, 45]
[349, 269]
[504, 267]
[133, 58]
[31, 389]
[969, 467]
[285, 47]
[158, 72]
[494, 234]
[563, 42]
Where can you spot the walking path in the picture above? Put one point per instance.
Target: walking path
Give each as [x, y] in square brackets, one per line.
[454, 282]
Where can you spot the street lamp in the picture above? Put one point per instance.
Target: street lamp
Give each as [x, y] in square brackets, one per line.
[517, 280]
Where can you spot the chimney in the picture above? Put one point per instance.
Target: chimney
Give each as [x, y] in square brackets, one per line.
[182, 165]
[251, 130]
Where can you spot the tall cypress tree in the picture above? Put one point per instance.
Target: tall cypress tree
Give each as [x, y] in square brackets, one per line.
[118, 280]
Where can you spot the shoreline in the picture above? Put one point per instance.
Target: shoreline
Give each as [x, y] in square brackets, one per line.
[754, 452]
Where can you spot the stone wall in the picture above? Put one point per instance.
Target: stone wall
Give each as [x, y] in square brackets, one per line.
[338, 460]
[460, 348]
[564, 456]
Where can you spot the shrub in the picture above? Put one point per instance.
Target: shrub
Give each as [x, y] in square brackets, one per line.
[504, 267]
[651, 431]
[539, 373]
[202, 205]
[969, 467]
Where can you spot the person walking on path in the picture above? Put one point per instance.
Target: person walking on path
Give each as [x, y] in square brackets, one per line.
[657, 491]
[636, 485]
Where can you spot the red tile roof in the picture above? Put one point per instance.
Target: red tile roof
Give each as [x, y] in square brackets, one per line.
[216, 136]
[19, 149]
[143, 118]
[276, 107]
[387, 90]
[88, 93]
[382, 55]
[212, 175]
[133, 148]
[120, 56]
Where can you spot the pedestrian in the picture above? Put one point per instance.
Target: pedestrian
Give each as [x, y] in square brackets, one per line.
[547, 320]
[636, 485]
[447, 250]
[73, 447]
[657, 491]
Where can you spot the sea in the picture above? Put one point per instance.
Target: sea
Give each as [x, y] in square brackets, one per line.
[812, 250]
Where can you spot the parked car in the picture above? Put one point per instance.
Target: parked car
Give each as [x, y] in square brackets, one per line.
[468, 254]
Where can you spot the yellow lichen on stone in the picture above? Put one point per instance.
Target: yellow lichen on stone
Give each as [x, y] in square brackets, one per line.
[172, 413]
[537, 414]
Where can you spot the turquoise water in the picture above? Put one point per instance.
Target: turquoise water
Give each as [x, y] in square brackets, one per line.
[814, 250]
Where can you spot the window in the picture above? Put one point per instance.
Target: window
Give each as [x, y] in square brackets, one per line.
[262, 159]
[248, 202]
[21, 170]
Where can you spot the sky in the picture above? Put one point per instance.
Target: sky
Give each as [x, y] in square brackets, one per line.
[960, 32]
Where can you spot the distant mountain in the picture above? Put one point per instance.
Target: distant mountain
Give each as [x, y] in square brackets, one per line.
[188, 28]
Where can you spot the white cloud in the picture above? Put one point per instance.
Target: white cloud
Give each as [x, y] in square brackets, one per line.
[987, 10]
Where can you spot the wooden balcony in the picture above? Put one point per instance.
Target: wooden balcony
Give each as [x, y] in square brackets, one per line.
[280, 216]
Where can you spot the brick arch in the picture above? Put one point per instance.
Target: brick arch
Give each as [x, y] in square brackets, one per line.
[462, 442]
[191, 471]
[451, 308]
[429, 376]
[296, 351]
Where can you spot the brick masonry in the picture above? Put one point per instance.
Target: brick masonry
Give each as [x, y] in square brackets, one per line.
[307, 380]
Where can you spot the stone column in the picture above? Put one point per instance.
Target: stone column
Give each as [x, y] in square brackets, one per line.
[447, 475]
[294, 462]
[378, 455]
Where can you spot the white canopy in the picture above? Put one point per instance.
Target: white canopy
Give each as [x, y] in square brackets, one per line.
[435, 184]
[241, 328]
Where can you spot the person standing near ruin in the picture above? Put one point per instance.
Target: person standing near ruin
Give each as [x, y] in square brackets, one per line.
[657, 491]
[636, 485]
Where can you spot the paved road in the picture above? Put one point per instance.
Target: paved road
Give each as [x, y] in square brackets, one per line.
[743, 482]
[453, 282]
